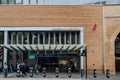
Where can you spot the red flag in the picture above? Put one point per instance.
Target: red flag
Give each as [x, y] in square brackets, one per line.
[94, 27]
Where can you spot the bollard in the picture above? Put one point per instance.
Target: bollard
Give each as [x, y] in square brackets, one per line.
[69, 72]
[18, 72]
[95, 73]
[82, 73]
[56, 72]
[44, 72]
[31, 71]
[107, 73]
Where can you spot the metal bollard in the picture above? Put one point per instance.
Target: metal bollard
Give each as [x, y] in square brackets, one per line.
[56, 72]
[18, 73]
[69, 72]
[82, 73]
[44, 72]
[31, 71]
[107, 73]
[95, 73]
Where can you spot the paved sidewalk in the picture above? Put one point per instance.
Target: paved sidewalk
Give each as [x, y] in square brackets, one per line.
[38, 79]
[63, 76]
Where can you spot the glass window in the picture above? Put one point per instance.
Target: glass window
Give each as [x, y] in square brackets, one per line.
[30, 38]
[14, 38]
[78, 37]
[40, 1]
[25, 2]
[4, 1]
[11, 1]
[57, 37]
[1, 37]
[62, 37]
[51, 38]
[18, 1]
[62, 2]
[67, 37]
[41, 38]
[25, 38]
[36, 38]
[46, 37]
[32, 1]
[73, 38]
[113, 1]
[20, 37]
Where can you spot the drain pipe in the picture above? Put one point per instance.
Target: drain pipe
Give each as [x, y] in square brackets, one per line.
[103, 38]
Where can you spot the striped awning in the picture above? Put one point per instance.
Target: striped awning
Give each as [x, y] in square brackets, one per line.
[27, 47]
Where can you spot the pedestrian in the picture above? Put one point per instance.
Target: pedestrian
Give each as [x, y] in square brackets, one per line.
[18, 65]
[24, 69]
[36, 69]
[5, 69]
[21, 69]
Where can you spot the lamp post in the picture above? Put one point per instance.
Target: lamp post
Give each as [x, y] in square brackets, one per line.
[86, 60]
[84, 54]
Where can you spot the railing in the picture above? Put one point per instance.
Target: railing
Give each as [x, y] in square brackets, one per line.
[60, 2]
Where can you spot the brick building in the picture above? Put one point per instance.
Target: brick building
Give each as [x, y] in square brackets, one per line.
[47, 30]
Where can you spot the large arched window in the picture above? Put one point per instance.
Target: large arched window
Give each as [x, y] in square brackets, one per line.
[117, 53]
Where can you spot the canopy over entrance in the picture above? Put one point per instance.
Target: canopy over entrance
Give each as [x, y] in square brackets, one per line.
[27, 47]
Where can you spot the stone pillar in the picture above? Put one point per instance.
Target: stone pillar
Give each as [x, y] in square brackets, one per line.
[11, 38]
[49, 38]
[64, 38]
[17, 38]
[43, 38]
[28, 38]
[38, 38]
[82, 43]
[5, 43]
[54, 38]
[22, 37]
[32, 38]
[59, 37]
[75, 37]
[70, 38]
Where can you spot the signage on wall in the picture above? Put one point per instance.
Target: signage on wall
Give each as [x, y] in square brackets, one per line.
[31, 57]
[94, 27]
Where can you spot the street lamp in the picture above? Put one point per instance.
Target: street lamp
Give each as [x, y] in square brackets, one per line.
[84, 54]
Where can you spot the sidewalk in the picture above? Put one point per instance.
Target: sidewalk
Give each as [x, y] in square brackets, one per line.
[62, 76]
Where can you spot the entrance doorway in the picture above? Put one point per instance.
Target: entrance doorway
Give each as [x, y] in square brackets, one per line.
[117, 53]
[23, 45]
[60, 60]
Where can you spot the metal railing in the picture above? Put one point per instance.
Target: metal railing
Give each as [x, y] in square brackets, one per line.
[60, 2]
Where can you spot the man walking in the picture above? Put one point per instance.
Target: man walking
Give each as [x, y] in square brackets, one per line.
[5, 69]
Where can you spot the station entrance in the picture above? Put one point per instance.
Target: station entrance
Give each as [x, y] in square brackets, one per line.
[48, 59]
[40, 47]
[60, 60]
